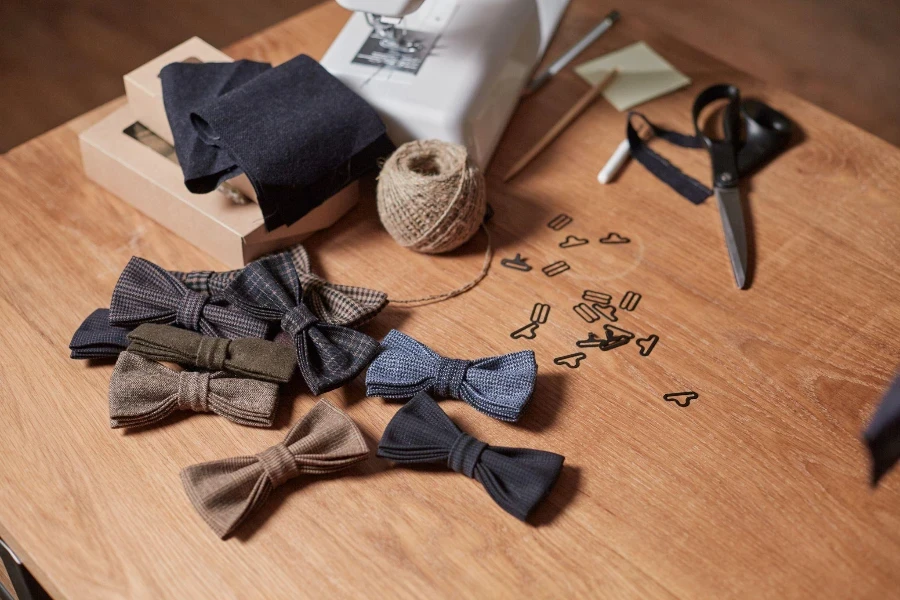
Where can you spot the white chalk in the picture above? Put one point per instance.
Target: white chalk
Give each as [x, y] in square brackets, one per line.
[615, 162]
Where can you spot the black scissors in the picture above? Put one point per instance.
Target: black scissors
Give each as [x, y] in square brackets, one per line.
[738, 152]
[753, 134]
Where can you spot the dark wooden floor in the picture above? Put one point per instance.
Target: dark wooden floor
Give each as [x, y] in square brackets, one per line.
[60, 58]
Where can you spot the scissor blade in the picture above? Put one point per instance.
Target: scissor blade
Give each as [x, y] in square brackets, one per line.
[732, 214]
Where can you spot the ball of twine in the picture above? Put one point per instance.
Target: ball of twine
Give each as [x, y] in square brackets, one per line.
[431, 197]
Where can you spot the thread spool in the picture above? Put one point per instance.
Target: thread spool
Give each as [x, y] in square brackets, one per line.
[431, 197]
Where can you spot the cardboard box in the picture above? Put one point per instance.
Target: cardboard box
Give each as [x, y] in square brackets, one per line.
[144, 91]
[122, 158]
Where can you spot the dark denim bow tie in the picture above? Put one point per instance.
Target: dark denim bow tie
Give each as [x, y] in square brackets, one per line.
[499, 386]
[328, 355]
[147, 293]
[333, 303]
[516, 478]
[96, 338]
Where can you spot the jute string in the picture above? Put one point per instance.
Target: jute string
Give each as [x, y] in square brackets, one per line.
[432, 198]
[435, 298]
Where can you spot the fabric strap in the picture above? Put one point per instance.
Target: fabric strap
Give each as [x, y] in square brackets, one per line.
[668, 173]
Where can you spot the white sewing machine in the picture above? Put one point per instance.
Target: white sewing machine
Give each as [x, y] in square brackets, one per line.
[445, 69]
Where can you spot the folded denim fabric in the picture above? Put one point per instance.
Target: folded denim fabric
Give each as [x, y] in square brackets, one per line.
[187, 86]
[250, 357]
[296, 131]
[96, 338]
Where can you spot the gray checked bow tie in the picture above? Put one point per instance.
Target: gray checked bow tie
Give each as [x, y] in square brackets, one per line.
[328, 355]
[333, 303]
[147, 293]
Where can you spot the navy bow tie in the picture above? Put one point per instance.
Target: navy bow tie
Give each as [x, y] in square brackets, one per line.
[499, 386]
[147, 293]
[96, 338]
[328, 355]
[516, 478]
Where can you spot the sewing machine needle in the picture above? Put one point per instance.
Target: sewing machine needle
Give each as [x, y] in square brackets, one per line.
[732, 214]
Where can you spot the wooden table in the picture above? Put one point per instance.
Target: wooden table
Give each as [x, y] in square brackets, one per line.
[758, 489]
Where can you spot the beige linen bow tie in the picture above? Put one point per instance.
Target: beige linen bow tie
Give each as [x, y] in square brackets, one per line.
[142, 392]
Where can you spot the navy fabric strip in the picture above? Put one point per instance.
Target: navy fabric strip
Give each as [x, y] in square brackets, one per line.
[668, 173]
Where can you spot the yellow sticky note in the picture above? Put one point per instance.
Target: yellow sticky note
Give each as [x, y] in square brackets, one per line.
[643, 75]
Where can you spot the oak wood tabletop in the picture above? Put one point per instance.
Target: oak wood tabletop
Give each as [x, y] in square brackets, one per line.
[757, 489]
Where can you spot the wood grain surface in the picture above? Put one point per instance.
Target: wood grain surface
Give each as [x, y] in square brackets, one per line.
[758, 489]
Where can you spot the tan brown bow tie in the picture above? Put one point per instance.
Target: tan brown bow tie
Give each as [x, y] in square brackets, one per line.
[142, 392]
[224, 492]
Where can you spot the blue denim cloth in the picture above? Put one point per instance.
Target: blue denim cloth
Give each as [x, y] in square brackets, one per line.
[296, 131]
[187, 86]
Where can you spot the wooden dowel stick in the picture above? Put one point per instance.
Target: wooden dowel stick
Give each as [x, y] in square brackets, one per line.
[561, 125]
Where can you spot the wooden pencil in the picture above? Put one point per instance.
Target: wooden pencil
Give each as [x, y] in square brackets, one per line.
[561, 125]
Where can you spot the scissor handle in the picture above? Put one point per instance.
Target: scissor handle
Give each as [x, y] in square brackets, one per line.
[723, 152]
[768, 132]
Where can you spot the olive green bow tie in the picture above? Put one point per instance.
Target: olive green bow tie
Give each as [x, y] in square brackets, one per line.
[248, 357]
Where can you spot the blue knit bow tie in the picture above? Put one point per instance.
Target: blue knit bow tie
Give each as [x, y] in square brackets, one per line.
[499, 386]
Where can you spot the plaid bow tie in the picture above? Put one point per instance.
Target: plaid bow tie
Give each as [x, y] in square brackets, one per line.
[247, 357]
[225, 492]
[328, 355]
[499, 386]
[516, 478]
[333, 303]
[147, 293]
[142, 392]
[96, 338]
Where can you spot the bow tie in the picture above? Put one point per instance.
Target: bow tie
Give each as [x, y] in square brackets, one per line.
[225, 492]
[516, 478]
[147, 293]
[332, 303]
[96, 338]
[328, 355]
[499, 386]
[882, 435]
[247, 357]
[142, 392]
